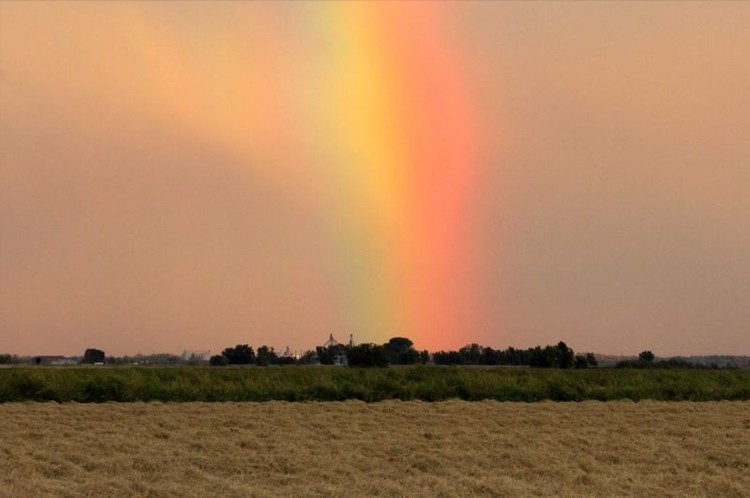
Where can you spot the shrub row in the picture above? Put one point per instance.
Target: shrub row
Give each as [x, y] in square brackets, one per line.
[428, 383]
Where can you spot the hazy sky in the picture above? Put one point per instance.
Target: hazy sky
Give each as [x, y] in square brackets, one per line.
[197, 175]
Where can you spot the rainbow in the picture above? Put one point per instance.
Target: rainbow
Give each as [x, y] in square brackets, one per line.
[361, 110]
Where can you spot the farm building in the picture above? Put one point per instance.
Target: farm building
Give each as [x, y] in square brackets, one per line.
[339, 353]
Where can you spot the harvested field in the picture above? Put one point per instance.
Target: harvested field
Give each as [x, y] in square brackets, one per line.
[388, 448]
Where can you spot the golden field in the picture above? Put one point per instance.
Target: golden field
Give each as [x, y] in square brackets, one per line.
[390, 448]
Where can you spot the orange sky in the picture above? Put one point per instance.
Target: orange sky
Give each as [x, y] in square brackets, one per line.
[197, 175]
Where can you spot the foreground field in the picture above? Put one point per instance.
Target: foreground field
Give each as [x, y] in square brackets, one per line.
[388, 448]
[100, 384]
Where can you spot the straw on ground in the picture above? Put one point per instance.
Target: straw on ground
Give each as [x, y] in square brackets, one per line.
[388, 448]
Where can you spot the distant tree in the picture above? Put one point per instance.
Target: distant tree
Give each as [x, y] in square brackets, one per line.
[581, 362]
[559, 356]
[676, 363]
[367, 355]
[513, 356]
[446, 358]
[400, 351]
[585, 361]
[286, 360]
[326, 356]
[646, 356]
[471, 354]
[591, 360]
[491, 356]
[93, 356]
[162, 359]
[644, 362]
[219, 360]
[6, 359]
[308, 357]
[566, 356]
[510, 356]
[630, 364]
[241, 354]
[541, 358]
[266, 356]
[424, 356]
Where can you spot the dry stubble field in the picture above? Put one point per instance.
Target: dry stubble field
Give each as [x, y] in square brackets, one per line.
[387, 448]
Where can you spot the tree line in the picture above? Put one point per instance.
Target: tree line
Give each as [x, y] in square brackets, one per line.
[647, 359]
[243, 354]
[553, 356]
[397, 351]
[401, 351]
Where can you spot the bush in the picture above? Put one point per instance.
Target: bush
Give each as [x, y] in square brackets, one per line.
[559, 356]
[93, 356]
[241, 354]
[219, 360]
[266, 356]
[367, 355]
[581, 361]
[646, 356]
[400, 351]
[327, 383]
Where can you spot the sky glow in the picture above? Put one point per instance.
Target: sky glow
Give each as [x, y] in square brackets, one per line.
[198, 175]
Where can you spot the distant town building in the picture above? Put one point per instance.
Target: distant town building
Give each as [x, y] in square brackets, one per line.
[196, 356]
[339, 353]
[288, 353]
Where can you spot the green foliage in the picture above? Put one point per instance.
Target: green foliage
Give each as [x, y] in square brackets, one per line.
[565, 356]
[308, 357]
[559, 356]
[148, 359]
[447, 358]
[580, 362]
[429, 383]
[7, 359]
[474, 354]
[646, 356]
[326, 356]
[400, 351]
[219, 360]
[591, 360]
[367, 355]
[241, 354]
[286, 360]
[471, 354]
[585, 361]
[93, 356]
[424, 357]
[667, 364]
[266, 356]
